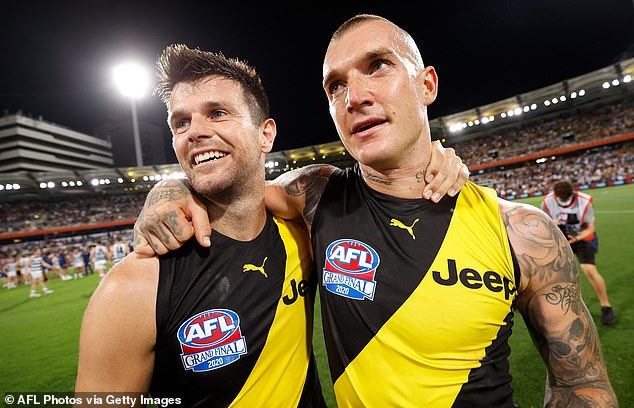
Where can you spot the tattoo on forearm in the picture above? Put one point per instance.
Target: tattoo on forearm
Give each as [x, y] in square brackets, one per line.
[577, 376]
[568, 297]
[312, 184]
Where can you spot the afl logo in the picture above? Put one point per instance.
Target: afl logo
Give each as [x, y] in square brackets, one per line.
[349, 269]
[211, 339]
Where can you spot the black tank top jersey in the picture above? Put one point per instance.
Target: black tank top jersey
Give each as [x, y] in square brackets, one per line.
[234, 322]
[416, 297]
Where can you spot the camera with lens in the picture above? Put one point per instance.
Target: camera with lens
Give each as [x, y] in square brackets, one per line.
[567, 229]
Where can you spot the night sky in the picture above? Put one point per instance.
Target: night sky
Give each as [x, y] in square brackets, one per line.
[57, 57]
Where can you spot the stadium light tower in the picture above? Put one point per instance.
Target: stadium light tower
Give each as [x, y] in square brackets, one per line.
[132, 80]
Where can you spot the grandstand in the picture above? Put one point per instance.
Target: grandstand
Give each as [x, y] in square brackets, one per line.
[582, 128]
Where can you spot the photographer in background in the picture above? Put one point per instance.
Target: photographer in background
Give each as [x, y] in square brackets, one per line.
[573, 213]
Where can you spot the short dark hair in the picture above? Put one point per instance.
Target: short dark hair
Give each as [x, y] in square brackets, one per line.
[563, 189]
[179, 63]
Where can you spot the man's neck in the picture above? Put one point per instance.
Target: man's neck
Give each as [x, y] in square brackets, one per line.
[240, 218]
[405, 182]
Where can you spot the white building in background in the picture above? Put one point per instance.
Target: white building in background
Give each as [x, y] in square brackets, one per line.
[37, 145]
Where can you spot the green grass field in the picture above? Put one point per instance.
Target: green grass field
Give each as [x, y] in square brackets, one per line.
[39, 337]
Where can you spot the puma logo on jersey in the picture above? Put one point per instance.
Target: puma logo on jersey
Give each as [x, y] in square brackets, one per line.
[251, 267]
[396, 223]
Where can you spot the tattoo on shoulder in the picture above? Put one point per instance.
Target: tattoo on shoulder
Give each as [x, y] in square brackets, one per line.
[311, 183]
[543, 252]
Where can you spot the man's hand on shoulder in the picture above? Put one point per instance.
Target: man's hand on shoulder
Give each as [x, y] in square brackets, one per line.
[445, 174]
[172, 214]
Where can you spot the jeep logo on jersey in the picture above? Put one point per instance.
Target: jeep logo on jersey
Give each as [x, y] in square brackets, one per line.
[472, 279]
[349, 269]
[211, 340]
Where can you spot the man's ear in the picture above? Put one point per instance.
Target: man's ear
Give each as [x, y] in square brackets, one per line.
[430, 85]
[268, 131]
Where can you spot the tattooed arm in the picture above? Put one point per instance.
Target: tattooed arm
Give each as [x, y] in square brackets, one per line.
[296, 194]
[173, 213]
[551, 304]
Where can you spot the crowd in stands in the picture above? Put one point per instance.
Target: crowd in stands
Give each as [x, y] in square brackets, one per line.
[43, 215]
[582, 126]
[606, 164]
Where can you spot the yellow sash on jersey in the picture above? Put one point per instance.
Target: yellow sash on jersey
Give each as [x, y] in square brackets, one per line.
[277, 380]
[423, 354]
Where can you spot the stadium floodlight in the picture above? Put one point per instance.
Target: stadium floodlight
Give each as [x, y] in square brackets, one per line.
[627, 79]
[133, 81]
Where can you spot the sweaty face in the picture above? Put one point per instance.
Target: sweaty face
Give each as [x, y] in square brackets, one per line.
[378, 90]
[215, 141]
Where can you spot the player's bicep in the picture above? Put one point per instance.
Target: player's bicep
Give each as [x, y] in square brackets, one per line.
[118, 332]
